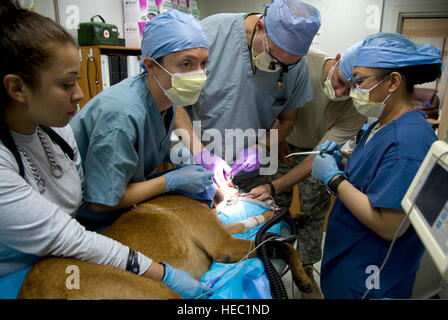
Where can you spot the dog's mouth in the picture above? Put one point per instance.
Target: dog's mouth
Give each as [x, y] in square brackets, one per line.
[225, 196]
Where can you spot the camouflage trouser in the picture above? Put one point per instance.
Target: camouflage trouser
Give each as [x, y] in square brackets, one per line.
[314, 200]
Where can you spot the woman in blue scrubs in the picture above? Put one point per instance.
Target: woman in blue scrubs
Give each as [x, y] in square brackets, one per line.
[123, 133]
[367, 212]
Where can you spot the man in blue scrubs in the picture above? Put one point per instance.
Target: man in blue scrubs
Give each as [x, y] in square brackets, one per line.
[256, 79]
[123, 133]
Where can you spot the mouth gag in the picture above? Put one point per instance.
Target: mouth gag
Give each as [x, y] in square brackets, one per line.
[232, 196]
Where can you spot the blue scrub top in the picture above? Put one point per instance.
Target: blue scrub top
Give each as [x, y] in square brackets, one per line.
[383, 169]
[233, 96]
[122, 138]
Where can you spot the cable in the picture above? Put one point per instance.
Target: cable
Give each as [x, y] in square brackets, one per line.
[389, 250]
[246, 257]
[396, 236]
[91, 58]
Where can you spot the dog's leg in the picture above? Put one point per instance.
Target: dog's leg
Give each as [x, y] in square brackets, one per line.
[240, 227]
[299, 275]
[233, 250]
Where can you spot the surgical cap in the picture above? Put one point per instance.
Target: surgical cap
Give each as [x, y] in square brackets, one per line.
[171, 32]
[393, 50]
[347, 61]
[292, 25]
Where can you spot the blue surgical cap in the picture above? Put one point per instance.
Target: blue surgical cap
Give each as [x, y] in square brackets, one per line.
[393, 50]
[171, 32]
[347, 61]
[292, 25]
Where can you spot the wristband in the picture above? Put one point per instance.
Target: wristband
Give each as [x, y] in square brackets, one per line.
[332, 186]
[133, 265]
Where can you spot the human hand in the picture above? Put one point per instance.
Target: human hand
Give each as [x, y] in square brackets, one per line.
[247, 160]
[260, 193]
[283, 151]
[189, 178]
[325, 168]
[182, 283]
[215, 164]
[333, 147]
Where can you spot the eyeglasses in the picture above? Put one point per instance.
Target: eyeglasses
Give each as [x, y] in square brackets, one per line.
[276, 62]
[357, 81]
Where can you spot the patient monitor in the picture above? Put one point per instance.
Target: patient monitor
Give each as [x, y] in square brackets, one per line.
[426, 201]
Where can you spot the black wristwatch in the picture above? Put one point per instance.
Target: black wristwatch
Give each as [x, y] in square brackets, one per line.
[332, 186]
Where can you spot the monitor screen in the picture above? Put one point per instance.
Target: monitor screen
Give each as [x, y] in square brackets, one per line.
[433, 194]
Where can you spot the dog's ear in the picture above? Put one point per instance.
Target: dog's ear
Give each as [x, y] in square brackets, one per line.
[219, 197]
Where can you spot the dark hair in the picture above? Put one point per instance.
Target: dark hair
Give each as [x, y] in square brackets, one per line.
[27, 40]
[418, 74]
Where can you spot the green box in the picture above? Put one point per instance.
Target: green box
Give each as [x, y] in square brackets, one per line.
[97, 33]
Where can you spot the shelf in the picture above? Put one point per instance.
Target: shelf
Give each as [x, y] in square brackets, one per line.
[91, 73]
[113, 49]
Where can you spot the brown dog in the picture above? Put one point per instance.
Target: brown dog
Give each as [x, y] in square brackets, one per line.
[183, 232]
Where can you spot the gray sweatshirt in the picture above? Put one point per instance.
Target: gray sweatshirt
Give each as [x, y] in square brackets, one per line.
[34, 225]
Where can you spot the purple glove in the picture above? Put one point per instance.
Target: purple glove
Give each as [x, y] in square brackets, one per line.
[216, 165]
[247, 160]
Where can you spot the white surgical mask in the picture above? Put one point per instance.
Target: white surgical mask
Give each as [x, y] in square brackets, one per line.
[360, 98]
[328, 88]
[185, 87]
[264, 61]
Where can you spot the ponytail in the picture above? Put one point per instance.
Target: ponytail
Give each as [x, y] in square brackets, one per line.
[418, 74]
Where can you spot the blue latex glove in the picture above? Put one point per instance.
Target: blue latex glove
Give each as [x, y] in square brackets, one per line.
[215, 164]
[189, 178]
[332, 146]
[325, 168]
[247, 160]
[182, 283]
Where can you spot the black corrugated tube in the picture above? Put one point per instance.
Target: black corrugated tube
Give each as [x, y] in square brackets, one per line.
[278, 290]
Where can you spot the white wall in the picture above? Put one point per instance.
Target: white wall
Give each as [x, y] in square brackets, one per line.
[209, 7]
[45, 7]
[344, 22]
[71, 12]
[110, 10]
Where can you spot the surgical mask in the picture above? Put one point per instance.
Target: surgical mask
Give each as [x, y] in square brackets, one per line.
[185, 87]
[264, 61]
[328, 88]
[360, 98]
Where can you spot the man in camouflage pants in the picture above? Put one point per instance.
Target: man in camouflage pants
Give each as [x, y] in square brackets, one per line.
[314, 203]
